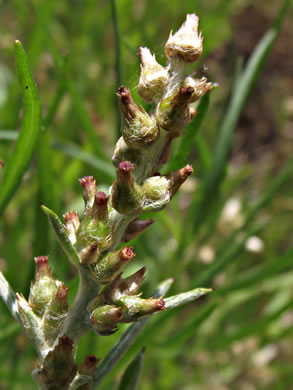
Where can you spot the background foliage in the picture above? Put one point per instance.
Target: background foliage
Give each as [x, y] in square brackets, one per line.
[230, 227]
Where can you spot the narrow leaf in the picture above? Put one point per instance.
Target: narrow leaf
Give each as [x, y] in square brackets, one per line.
[31, 123]
[132, 374]
[183, 298]
[62, 235]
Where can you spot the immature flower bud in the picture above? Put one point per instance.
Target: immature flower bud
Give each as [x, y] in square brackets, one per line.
[89, 254]
[89, 189]
[173, 112]
[86, 372]
[131, 284]
[42, 267]
[177, 178]
[72, 224]
[138, 128]
[112, 263]
[121, 287]
[126, 195]
[88, 366]
[200, 86]
[105, 319]
[156, 193]
[100, 207]
[135, 228]
[186, 43]
[59, 367]
[134, 307]
[153, 76]
[44, 287]
[55, 314]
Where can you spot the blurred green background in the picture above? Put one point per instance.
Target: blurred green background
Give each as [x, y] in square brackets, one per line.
[229, 228]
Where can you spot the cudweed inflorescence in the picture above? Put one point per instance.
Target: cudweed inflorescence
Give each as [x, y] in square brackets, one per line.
[104, 297]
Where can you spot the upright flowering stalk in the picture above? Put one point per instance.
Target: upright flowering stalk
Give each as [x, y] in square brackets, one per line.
[104, 298]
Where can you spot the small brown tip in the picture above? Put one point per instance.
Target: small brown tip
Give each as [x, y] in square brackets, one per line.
[188, 91]
[140, 273]
[186, 171]
[92, 359]
[160, 304]
[65, 341]
[126, 166]
[122, 90]
[2, 163]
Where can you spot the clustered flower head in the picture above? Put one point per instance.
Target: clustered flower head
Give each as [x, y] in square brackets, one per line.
[93, 242]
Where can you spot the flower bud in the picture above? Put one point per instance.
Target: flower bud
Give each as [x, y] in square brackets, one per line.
[44, 287]
[120, 287]
[55, 314]
[173, 112]
[89, 189]
[72, 224]
[135, 228]
[90, 254]
[100, 207]
[86, 372]
[177, 178]
[88, 366]
[59, 367]
[111, 264]
[200, 86]
[153, 76]
[134, 307]
[138, 128]
[186, 43]
[156, 193]
[105, 319]
[126, 195]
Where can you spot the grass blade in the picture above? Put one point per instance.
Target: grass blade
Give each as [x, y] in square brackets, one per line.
[31, 124]
[132, 374]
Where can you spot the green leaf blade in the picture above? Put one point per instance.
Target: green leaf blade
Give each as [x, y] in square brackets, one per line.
[31, 124]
